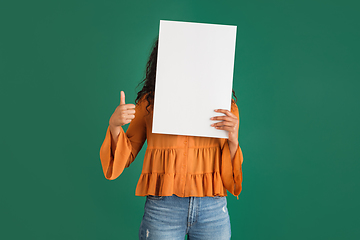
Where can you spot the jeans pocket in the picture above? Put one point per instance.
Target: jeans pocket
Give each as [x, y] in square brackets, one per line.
[153, 197]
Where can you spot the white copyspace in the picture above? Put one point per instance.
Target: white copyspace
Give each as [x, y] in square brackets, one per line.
[194, 77]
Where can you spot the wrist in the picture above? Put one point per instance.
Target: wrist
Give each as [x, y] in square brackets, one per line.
[114, 129]
[112, 125]
[233, 144]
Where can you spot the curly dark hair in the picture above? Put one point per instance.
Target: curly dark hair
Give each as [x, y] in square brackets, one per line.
[150, 77]
[148, 82]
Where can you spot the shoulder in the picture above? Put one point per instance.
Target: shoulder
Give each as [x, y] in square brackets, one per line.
[234, 108]
[233, 105]
[143, 103]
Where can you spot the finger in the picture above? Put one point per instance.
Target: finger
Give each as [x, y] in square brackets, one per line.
[129, 112]
[225, 118]
[125, 115]
[130, 117]
[226, 128]
[227, 112]
[127, 106]
[127, 121]
[122, 98]
[224, 123]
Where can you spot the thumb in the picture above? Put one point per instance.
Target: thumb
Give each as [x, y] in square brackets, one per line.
[122, 98]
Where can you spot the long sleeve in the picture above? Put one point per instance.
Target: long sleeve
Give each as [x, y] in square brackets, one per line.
[127, 146]
[231, 169]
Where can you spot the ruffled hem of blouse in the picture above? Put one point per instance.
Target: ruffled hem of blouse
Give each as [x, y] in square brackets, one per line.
[167, 184]
[165, 160]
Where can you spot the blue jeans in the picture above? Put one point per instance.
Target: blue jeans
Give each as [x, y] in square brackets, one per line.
[173, 217]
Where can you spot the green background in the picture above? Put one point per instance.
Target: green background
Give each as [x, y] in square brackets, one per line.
[296, 76]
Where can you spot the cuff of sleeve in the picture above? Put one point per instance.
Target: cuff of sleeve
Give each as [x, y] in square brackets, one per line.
[113, 166]
[231, 170]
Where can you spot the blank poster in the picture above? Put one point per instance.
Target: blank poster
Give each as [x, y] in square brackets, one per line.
[194, 75]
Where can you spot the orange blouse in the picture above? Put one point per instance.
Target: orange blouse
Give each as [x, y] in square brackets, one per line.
[173, 164]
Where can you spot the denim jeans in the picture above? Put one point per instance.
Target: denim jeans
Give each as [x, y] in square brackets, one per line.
[173, 217]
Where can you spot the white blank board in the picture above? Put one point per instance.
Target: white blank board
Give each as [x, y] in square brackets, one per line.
[194, 75]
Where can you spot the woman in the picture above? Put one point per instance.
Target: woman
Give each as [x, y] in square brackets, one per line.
[185, 178]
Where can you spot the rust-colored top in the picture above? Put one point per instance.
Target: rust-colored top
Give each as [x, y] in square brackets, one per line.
[174, 164]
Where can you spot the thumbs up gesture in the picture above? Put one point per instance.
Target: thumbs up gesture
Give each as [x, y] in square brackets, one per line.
[123, 114]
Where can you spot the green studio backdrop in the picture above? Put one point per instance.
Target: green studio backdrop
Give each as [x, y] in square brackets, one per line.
[296, 76]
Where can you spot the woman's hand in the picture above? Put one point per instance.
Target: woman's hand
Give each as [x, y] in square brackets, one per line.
[229, 123]
[123, 114]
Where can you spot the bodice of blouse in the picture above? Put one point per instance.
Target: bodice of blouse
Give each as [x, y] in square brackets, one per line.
[173, 164]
